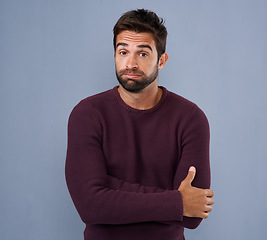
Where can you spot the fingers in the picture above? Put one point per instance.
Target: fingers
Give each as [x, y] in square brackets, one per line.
[191, 175]
[197, 201]
[209, 193]
[210, 201]
[205, 215]
[208, 208]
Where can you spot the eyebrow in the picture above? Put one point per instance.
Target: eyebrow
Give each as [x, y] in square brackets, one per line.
[139, 46]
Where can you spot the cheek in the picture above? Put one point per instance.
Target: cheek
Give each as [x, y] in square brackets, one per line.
[151, 67]
[119, 63]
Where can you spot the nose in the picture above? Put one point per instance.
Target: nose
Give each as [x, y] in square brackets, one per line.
[132, 63]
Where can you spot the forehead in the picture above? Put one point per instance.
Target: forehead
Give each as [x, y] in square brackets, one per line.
[134, 38]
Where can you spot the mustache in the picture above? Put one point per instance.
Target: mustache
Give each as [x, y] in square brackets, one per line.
[131, 71]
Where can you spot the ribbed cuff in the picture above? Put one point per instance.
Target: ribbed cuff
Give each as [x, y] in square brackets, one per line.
[180, 206]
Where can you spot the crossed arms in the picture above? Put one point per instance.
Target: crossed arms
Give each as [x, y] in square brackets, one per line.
[103, 199]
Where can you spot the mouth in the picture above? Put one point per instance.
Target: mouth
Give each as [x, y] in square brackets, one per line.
[132, 76]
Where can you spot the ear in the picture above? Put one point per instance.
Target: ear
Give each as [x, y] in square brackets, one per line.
[162, 61]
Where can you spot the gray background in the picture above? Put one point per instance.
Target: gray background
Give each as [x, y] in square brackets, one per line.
[55, 53]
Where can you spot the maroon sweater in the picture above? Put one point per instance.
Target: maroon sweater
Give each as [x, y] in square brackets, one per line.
[124, 165]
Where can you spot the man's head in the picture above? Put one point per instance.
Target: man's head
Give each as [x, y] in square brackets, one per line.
[139, 43]
[141, 21]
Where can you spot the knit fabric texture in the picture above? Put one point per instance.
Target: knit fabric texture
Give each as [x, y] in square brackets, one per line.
[124, 165]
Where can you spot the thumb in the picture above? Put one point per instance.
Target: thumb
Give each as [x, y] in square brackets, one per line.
[191, 174]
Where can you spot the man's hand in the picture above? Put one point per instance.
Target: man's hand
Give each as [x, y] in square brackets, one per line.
[197, 202]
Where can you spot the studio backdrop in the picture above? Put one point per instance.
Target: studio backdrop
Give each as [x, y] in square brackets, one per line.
[53, 53]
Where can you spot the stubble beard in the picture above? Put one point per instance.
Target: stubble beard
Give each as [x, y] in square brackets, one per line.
[134, 85]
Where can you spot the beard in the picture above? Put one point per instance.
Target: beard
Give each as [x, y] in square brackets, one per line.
[134, 85]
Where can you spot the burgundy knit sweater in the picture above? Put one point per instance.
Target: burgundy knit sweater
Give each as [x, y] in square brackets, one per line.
[124, 165]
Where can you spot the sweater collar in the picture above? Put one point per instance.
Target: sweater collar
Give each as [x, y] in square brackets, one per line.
[131, 109]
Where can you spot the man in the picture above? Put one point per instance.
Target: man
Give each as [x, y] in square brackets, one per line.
[133, 151]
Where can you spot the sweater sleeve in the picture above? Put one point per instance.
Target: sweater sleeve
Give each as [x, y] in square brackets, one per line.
[119, 184]
[96, 201]
[195, 152]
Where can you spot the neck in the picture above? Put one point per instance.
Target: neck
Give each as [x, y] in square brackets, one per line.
[143, 100]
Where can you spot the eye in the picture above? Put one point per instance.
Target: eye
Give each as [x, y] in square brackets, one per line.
[122, 52]
[143, 54]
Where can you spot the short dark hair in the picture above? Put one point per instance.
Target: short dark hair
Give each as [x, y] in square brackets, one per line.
[140, 21]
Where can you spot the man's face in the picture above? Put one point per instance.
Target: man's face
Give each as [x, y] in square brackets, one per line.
[136, 60]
